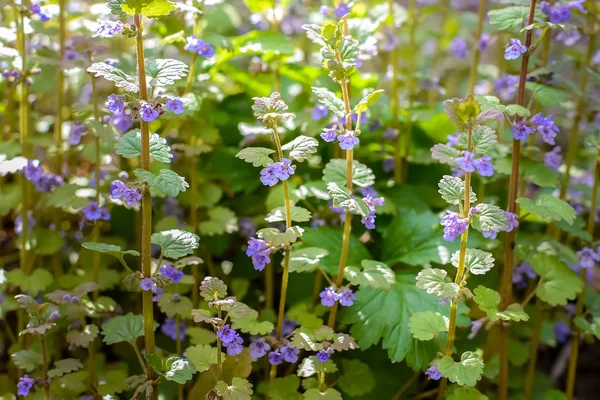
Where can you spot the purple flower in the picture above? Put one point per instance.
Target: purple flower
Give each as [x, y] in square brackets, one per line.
[173, 274]
[560, 13]
[348, 140]
[433, 373]
[118, 189]
[46, 183]
[520, 130]
[236, 346]
[588, 257]
[329, 135]
[489, 234]
[475, 327]
[562, 331]
[267, 175]
[553, 158]
[283, 169]
[514, 49]
[24, 385]
[77, 131]
[157, 294]
[174, 104]
[32, 171]
[259, 251]
[275, 357]
[506, 85]
[199, 47]
[347, 297]
[453, 139]
[258, 349]
[454, 226]
[319, 112]
[484, 167]
[226, 334]
[247, 227]
[121, 121]
[148, 285]
[568, 39]
[114, 103]
[107, 29]
[521, 274]
[290, 354]
[323, 355]
[341, 9]
[37, 10]
[466, 162]
[95, 213]
[546, 127]
[328, 297]
[169, 328]
[459, 48]
[484, 41]
[148, 113]
[513, 221]
[390, 133]
[54, 316]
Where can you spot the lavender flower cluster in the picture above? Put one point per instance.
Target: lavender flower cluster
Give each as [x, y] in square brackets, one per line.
[43, 181]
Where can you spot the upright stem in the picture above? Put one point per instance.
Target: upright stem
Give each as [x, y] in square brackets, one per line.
[60, 87]
[98, 160]
[477, 51]
[394, 101]
[146, 204]
[178, 350]
[286, 257]
[435, 60]
[45, 366]
[219, 351]
[533, 348]
[348, 216]
[509, 241]
[591, 225]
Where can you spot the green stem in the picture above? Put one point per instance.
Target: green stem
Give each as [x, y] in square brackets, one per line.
[394, 101]
[477, 50]
[138, 354]
[219, 351]
[60, 86]
[533, 349]
[147, 304]
[179, 351]
[509, 241]
[45, 367]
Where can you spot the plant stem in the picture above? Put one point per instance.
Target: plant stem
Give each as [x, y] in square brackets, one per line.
[178, 350]
[406, 385]
[96, 233]
[147, 304]
[286, 257]
[45, 367]
[394, 101]
[348, 219]
[138, 354]
[509, 240]
[591, 225]
[60, 86]
[533, 349]
[219, 351]
[477, 50]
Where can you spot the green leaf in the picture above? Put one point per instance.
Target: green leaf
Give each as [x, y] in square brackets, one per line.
[342, 198]
[39, 280]
[271, 110]
[114, 382]
[452, 189]
[465, 393]
[513, 312]
[589, 328]
[444, 154]
[298, 214]
[510, 18]
[155, 361]
[466, 372]
[373, 274]
[488, 301]
[113, 74]
[253, 326]
[109, 249]
[427, 324]
[83, 337]
[148, 8]
[221, 220]
[330, 100]
[263, 42]
[179, 306]
[240, 389]
[368, 100]
[212, 289]
[515, 109]
[65, 366]
[306, 259]
[203, 356]
[175, 243]
[483, 140]
[285, 388]
[130, 146]
[258, 156]
[124, 328]
[12, 197]
[164, 72]
[280, 239]
[548, 96]
[554, 394]
[477, 261]
[46, 242]
[491, 217]
[301, 148]
[549, 208]
[336, 171]
[329, 394]
[27, 360]
[357, 378]
[311, 366]
[64, 197]
[433, 281]
[558, 283]
[179, 370]
[167, 181]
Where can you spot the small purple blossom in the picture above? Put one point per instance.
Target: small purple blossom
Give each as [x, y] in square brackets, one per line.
[115, 103]
[466, 162]
[36, 9]
[148, 113]
[513, 221]
[169, 328]
[347, 297]
[348, 140]
[484, 167]
[148, 285]
[226, 334]
[588, 257]
[24, 385]
[199, 47]
[33, 171]
[319, 112]
[522, 273]
[484, 41]
[328, 297]
[273, 173]
[324, 354]
[174, 104]
[172, 273]
[93, 212]
[290, 354]
[121, 121]
[77, 131]
[390, 133]
[546, 127]
[107, 29]
[275, 357]
[259, 349]
[520, 130]
[433, 373]
[553, 158]
[459, 48]
[329, 135]
[475, 327]
[568, 39]
[454, 226]
[562, 331]
[453, 139]
[259, 250]
[341, 9]
[514, 49]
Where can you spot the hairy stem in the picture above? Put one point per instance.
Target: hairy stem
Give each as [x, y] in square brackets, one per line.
[509, 241]
[477, 50]
[147, 304]
[138, 354]
[219, 351]
[45, 366]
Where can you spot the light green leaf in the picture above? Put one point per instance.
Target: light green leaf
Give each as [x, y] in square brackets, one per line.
[444, 154]
[433, 281]
[179, 370]
[124, 328]
[212, 289]
[263, 42]
[113, 74]
[488, 301]
[306, 259]
[167, 181]
[466, 372]
[155, 361]
[477, 261]
[109, 249]
[357, 378]
[367, 101]
[549, 208]
[181, 306]
[240, 389]
[301, 148]
[491, 217]
[336, 171]
[27, 360]
[329, 394]
[252, 326]
[311, 366]
[202, 356]
[258, 156]
[511, 18]
[148, 8]
[130, 146]
[465, 393]
[373, 274]
[330, 100]
[452, 189]
[298, 214]
[221, 220]
[587, 327]
[558, 283]
[342, 198]
[548, 96]
[280, 239]
[39, 280]
[285, 388]
[176, 243]
[515, 109]
[427, 324]
[483, 140]
[65, 366]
